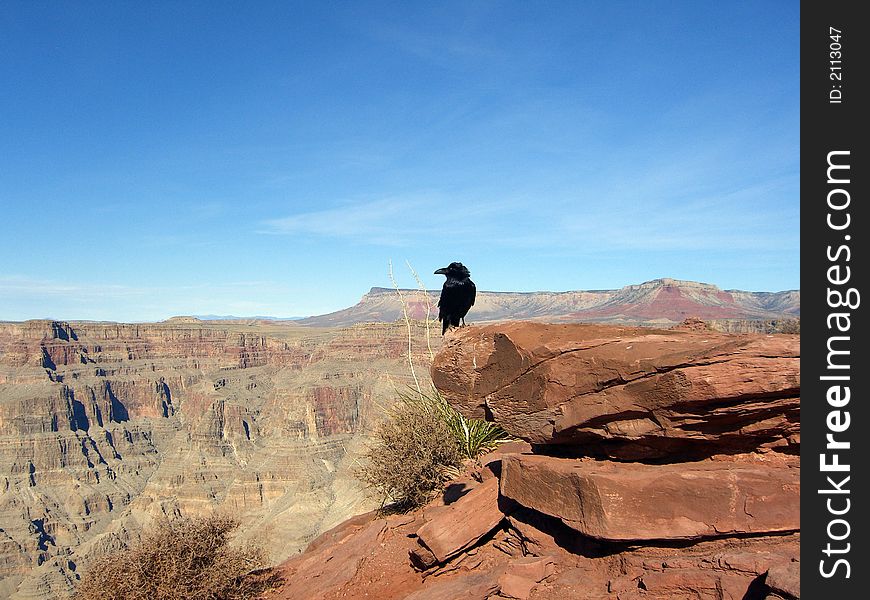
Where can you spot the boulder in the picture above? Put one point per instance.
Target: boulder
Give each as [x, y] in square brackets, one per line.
[702, 584]
[785, 579]
[474, 585]
[628, 393]
[523, 574]
[632, 502]
[333, 560]
[458, 526]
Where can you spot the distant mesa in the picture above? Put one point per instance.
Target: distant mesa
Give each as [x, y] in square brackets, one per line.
[183, 319]
[219, 318]
[660, 302]
[251, 318]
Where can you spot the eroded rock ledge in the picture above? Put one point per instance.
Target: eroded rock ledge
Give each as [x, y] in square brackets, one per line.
[628, 393]
[660, 464]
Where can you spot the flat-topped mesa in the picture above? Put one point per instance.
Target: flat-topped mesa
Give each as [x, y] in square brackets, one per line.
[624, 392]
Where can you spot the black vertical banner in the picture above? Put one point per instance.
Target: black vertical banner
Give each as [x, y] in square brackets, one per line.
[835, 371]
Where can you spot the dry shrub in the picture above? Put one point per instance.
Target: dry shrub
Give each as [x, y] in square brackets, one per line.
[412, 452]
[474, 436]
[181, 559]
[424, 441]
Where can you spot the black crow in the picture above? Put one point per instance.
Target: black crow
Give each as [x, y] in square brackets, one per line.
[457, 295]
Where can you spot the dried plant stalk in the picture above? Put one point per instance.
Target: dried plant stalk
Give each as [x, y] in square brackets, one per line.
[407, 326]
[428, 300]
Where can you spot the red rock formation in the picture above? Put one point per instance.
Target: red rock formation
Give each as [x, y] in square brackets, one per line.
[459, 526]
[569, 525]
[625, 392]
[532, 557]
[631, 502]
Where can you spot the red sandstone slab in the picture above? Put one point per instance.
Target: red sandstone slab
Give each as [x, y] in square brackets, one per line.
[627, 502]
[647, 392]
[785, 579]
[523, 574]
[460, 525]
[475, 585]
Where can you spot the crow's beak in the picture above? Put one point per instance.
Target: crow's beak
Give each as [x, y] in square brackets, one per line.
[442, 271]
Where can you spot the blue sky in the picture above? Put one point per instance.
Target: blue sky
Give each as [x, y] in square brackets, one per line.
[262, 158]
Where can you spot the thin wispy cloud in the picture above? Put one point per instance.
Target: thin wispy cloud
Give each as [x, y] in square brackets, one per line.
[382, 222]
[11, 286]
[657, 210]
[393, 221]
[572, 146]
[440, 45]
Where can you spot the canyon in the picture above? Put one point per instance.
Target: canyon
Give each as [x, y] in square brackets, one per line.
[106, 426]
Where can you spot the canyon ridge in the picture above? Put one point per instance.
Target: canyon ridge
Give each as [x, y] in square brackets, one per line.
[105, 426]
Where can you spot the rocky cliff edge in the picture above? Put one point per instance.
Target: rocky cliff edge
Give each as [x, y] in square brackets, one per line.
[656, 464]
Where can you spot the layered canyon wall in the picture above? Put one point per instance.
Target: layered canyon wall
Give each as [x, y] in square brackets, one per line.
[105, 426]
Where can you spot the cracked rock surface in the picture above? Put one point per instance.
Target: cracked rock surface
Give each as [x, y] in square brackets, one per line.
[626, 393]
[657, 465]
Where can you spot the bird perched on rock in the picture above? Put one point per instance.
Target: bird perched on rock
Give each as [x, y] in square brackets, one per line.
[457, 295]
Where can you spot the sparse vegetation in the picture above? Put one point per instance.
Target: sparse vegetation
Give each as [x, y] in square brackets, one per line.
[184, 558]
[423, 441]
[421, 444]
[409, 459]
[473, 436]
